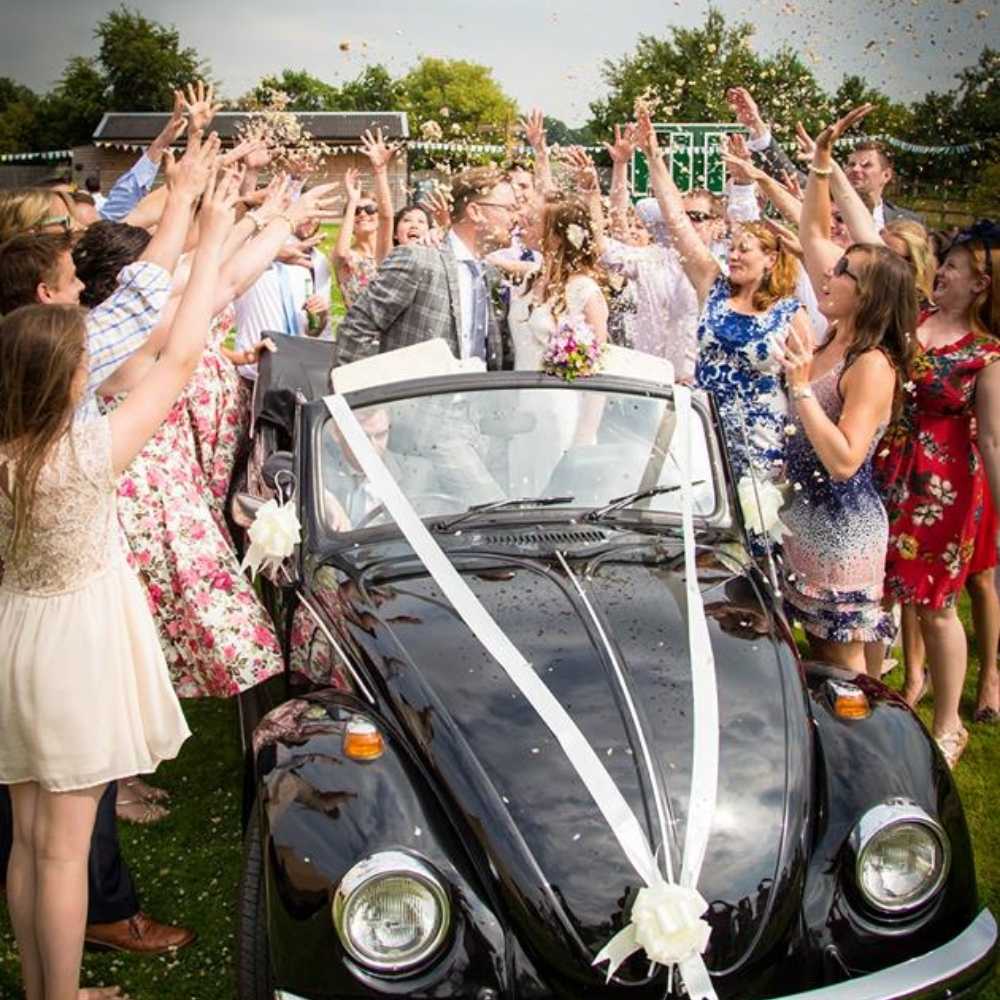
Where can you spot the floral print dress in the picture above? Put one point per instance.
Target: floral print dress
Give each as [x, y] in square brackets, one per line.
[933, 476]
[354, 273]
[216, 635]
[736, 364]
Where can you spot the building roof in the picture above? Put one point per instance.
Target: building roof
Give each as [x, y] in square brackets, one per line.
[325, 126]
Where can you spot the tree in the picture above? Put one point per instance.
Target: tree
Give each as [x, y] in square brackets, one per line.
[689, 71]
[461, 96]
[557, 132]
[143, 61]
[68, 115]
[886, 118]
[18, 117]
[305, 92]
[374, 89]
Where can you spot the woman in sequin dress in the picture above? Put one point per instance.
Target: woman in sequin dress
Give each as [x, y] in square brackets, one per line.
[843, 398]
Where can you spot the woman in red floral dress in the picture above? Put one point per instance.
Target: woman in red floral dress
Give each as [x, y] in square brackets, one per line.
[935, 473]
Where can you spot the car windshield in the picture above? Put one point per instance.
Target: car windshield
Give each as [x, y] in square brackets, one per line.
[582, 447]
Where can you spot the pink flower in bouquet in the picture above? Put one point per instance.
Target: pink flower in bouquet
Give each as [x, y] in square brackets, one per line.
[573, 350]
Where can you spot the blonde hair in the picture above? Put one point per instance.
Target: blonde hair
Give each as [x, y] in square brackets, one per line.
[779, 281]
[22, 210]
[41, 348]
[569, 246]
[921, 254]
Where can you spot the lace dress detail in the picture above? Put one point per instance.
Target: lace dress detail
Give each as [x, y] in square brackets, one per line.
[85, 696]
[76, 536]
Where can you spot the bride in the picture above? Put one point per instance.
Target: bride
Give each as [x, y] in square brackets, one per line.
[563, 288]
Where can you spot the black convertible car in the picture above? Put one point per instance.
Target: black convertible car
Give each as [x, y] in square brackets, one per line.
[413, 828]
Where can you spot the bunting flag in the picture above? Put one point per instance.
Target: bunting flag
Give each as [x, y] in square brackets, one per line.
[53, 154]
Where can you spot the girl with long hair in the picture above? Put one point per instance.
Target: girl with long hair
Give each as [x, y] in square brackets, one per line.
[85, 696]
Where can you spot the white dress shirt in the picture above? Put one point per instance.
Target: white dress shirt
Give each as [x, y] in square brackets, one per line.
[462, 252]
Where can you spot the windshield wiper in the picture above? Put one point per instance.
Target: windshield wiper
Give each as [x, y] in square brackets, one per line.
[485, 508]
[609, 508]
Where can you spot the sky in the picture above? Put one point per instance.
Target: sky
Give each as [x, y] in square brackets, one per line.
[545, 53]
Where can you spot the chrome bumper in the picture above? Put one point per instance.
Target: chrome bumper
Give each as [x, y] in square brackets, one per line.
[964, 962]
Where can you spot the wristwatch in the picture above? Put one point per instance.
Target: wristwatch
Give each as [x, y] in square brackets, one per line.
[802, 392]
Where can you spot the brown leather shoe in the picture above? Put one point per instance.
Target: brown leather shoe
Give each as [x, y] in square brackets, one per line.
[140, 934]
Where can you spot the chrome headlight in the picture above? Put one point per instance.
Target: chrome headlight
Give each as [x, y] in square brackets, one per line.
[901, 857]
[391, 912]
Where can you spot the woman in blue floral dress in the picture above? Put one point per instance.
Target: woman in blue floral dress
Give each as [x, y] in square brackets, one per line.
[746, 317]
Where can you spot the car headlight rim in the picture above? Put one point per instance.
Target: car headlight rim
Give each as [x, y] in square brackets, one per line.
[882, 821]
[378, 868]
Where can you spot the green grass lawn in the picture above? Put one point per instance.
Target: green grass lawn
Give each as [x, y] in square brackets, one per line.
[187, 867]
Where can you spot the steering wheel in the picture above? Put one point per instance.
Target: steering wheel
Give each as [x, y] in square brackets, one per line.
[380, 508]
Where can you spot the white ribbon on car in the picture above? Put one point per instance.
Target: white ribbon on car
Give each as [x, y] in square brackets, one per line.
[666, 917]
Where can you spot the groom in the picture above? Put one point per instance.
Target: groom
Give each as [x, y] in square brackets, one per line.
[424, 292]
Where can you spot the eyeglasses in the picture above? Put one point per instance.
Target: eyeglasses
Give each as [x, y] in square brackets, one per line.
[843, 266]
[695, 216]
[366, 210]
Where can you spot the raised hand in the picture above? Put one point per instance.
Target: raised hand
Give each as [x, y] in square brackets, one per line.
[790, 182]
[805, 142]
[379, 152]
[217, 214]
[745, 109]
[298, 253]
[189, 175]
[276, 197]
[832, 133]
[243, 150]
[438, 204]
[645, 134]
[737, 158]
[170, 132]
[200, 106]
[317, 204]
[533, 126]
[797, 354]
[582, 165]
[623, 147]
[352, 184]
[788, 240]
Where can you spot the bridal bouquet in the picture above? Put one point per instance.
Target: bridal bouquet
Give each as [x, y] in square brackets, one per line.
[573, 350]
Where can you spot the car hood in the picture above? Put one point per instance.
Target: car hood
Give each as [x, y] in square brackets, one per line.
[565, 882]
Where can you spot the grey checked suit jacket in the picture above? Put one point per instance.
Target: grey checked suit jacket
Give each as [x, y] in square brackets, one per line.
[412, 298]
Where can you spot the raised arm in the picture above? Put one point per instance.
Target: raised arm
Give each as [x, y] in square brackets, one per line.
[185, 182]
[857, 217]
[145, 408]
[820, 252]
[380, 154]
[342, 248]
[699, 265]
[534, 131]
[783, 200]
[868, 387]
[620, 151]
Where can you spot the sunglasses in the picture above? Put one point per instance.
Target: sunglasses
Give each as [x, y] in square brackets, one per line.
[843, 266]
[64, 221]
[695, 216]
[365, 210]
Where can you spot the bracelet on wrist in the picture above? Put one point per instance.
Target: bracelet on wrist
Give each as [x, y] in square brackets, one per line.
[254, 217]
[802, 392]
[820, 171]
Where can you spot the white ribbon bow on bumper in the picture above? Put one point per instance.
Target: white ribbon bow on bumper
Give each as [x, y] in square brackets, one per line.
[666, 919]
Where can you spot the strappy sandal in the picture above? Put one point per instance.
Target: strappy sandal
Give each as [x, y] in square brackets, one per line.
[143, 790]
[952, 745]
[145, 813]
[924, 688]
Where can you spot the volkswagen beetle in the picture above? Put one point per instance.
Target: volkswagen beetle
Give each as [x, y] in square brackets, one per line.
[413, 827]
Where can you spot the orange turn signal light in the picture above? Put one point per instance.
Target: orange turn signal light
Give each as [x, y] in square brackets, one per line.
[362, 741]
[848, 700]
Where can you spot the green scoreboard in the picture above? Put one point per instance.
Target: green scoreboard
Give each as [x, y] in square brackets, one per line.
[694, 152]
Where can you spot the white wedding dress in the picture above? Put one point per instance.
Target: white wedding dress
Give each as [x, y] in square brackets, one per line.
[556, 412]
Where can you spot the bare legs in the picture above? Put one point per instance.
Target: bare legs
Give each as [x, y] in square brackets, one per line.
[986, 619]
[947, 653]
[914, 656]
[850, 655]
[47, 885]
